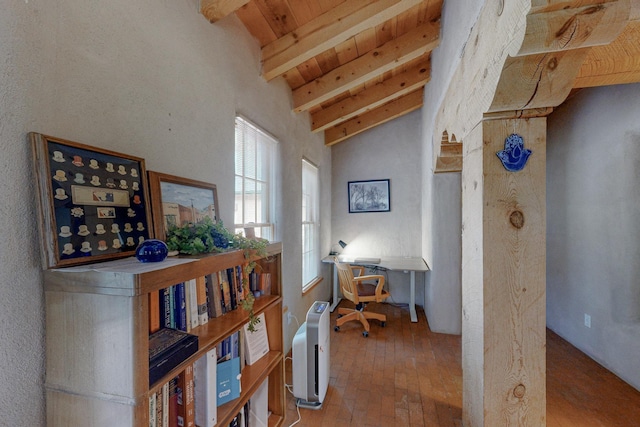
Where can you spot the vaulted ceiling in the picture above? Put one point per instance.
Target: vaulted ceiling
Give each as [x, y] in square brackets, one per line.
[355, 64]
[352, 64]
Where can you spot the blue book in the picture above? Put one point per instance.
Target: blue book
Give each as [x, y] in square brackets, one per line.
[180, 307]
[228, 379]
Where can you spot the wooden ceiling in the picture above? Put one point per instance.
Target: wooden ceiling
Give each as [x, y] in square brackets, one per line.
[355, 64]
[351, 64]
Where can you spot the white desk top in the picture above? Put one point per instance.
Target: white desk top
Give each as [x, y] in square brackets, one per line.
[388, 262]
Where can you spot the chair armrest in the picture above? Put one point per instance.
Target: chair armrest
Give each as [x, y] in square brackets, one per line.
[379, 285]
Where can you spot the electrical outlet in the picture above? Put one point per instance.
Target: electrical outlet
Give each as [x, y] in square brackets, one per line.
[587, 320]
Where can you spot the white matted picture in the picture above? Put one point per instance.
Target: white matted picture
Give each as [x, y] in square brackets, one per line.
[369, 196]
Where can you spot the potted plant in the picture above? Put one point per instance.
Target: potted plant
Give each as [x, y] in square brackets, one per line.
[212, 237]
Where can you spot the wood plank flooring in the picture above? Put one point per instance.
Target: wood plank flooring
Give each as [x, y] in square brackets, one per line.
[406, 375]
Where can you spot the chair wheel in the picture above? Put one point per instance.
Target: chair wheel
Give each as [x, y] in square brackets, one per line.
[365, 334]
[383, 324]
[336, 328]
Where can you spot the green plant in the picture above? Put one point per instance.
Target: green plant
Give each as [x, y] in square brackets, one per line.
[209, 237]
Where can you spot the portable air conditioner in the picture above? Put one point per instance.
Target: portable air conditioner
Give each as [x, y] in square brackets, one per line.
[310, 353]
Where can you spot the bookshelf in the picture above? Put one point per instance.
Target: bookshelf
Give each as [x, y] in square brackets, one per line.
[97, 346]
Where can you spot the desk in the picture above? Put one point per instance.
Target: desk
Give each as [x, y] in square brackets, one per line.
[405, 264]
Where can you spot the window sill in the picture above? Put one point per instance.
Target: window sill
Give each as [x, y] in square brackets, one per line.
[311, 285]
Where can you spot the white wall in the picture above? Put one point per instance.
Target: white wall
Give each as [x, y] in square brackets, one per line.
[392, 151]
[147, 78]
[441, 194]
[593, 217]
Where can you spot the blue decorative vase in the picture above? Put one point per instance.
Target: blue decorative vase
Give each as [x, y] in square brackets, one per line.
[152, 250]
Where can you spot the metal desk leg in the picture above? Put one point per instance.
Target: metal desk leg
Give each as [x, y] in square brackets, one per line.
[412, 302]
[335, 298]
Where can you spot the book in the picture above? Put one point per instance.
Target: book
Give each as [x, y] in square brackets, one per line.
[180, 407]
[180, 307]
[214, 295]
[167, 349]
[231, 279]
[201, 299]
[158, 407]
[227, 380]
[226, 291]
[259, 406]
[189, 407]
[165, 405]
[205, 389]
[173, 402]
[192, 306]
[154, 311]
[152, 410]
[256, 342]
[166, 306]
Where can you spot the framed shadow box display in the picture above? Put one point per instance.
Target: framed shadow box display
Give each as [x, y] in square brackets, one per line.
[176, 201]
[93, 202]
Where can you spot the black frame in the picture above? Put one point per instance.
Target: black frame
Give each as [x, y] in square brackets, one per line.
[378, 188]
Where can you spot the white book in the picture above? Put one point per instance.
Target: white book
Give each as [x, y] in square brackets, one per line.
[259, 406]
[165, 405]
[193, 303]
[152, 410]
[257, 342]
[204, 372]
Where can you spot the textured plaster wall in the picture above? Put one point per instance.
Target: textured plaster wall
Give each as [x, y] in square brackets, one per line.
[391, 151]
[441, 193]
[151, 78]
[593, 217]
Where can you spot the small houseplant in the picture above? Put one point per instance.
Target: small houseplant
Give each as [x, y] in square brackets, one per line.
[212, 237]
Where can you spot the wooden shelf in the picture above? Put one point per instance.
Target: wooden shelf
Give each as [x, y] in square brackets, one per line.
[98, 348]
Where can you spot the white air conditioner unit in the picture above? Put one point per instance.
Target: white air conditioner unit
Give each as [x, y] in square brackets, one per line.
[310, 353]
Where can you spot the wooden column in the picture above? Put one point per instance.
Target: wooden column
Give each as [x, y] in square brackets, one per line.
[503, 278]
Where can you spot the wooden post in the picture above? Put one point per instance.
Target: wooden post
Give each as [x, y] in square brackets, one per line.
[503, 277]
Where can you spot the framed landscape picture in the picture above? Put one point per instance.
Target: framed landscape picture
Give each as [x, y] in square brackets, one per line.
[179, 201]
[369, 196]
[93, 202]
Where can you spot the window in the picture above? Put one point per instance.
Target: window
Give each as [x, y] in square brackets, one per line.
[310, 224]
[255, 154]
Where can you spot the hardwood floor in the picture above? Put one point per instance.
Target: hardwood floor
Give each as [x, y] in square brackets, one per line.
[406, 375]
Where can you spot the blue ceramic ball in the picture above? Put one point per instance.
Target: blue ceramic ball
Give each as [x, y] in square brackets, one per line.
[152, 250]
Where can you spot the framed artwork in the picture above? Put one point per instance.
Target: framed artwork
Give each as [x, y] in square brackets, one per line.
[93, 203]
[178, 201]
[369, 196]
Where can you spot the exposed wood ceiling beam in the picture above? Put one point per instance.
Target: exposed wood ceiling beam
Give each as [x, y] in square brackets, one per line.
[375, 117]
[214, 10]
[326, 31]
[392, 54]
[372, 97]
[617, 63]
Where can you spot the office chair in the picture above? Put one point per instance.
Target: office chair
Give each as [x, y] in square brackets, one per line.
[356, 290]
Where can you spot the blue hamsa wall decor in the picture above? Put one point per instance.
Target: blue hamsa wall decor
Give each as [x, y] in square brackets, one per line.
[514, 156]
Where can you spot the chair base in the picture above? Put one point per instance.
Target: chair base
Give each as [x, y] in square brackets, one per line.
[362, 316]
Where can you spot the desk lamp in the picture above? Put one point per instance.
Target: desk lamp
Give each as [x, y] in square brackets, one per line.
[342, 245]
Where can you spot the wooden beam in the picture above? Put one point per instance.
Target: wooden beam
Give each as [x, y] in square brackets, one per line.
[537, 81]
[326, 31]
[375, 117]
[215, 10]
[392, 54]
[574, 27]
[503, 277]
[372, 97]
[448, 164]
[616, 63]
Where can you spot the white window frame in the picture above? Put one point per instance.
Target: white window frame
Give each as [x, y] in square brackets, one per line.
[310, 224]
[258, 149]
